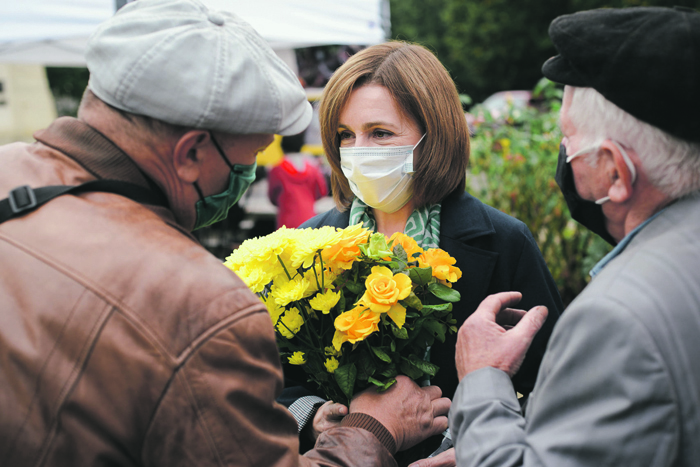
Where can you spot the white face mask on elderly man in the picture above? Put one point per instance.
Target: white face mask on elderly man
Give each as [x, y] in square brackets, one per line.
[380, 176]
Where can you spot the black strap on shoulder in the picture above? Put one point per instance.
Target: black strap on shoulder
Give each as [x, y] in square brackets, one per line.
[24, 198]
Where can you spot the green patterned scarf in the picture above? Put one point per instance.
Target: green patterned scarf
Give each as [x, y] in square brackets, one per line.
[423, 224]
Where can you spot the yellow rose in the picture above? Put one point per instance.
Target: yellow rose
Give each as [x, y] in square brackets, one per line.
[355, 325]
[442, 264]
[408, 244]
[297, 358]
[384, 289]
[342, 254]
[331, 364]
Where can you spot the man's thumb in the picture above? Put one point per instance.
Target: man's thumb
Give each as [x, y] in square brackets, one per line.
[532, 322]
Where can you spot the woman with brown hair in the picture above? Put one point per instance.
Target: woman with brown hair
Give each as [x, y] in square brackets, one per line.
[396, 138]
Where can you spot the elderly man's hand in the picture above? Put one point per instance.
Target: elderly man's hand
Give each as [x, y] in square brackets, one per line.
[444, 459]
[409, 412]
[497, 336]
[328, 416]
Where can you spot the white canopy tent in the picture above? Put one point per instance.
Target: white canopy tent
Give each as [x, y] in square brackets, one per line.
[55, 32]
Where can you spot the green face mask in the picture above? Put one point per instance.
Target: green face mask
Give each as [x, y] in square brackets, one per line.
[213, 209]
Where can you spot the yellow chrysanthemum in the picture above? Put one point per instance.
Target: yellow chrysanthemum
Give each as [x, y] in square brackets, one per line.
[408, 244]
[331, 364]
[442, 264]
[274, 309]
[309, 242]
[286, 291]
[323, 302]
[297, 358]
[315, 279]
[256, 278]
[343, 253]
[290, 323]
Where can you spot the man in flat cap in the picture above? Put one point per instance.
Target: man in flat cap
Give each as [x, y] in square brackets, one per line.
[620, 382]
[122, 341]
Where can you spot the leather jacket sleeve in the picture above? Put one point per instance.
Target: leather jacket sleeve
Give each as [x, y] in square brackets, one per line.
[220, 409]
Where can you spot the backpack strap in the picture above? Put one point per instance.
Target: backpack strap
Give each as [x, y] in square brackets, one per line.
[24, 198]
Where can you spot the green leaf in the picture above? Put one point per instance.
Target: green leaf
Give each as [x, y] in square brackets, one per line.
[376, 382]
[355, 287]
[453, 329]
[408, 369]
[366, 367]
[421, 276]
[400, 333]
[400, 253]
[437, 329]
[393, 346]
[444, 293]
[425, 367]
[412, 314]
[340, 306]
[389, 371]
[381, 354]
[381, 387]
[439, 307]
[412, 301]
[345, 377]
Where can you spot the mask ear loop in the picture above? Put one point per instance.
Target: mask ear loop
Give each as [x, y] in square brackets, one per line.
[221, 152]
[223, 156]
[408, 166]
[630, 167]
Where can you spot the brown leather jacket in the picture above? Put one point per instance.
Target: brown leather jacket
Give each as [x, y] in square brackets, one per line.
[123, 342]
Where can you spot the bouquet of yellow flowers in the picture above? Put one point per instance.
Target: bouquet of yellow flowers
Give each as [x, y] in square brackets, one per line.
[352, 308]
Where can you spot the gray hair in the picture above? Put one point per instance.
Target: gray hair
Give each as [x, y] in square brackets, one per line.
[672, 164]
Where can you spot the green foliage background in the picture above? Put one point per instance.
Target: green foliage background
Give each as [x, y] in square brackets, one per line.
[512, 168]
[493, 45]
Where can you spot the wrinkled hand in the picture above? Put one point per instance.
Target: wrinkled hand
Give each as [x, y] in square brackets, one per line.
[444, 459]
[409, 412]
[328, 416]
[497, 336]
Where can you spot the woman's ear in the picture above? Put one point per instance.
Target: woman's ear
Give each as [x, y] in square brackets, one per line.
[620, 174]
[188, 155]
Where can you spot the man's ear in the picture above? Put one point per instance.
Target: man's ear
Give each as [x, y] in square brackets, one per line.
[620, 175]
[188, 155]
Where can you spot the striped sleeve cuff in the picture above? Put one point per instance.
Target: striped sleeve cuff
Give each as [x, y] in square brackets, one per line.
[371, 424]
[304, 409]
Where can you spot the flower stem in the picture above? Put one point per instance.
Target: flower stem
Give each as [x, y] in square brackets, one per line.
[284, 267]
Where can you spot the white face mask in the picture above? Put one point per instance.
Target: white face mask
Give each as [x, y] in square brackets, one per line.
[625, 156]
[380, 176]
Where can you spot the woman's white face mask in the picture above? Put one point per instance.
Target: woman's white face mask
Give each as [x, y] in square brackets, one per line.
[380, 176]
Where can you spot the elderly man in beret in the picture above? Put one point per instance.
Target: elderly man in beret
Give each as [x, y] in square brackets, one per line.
[123, 342]
[620, 382]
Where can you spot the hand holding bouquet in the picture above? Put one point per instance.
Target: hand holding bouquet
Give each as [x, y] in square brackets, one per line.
[353, 309]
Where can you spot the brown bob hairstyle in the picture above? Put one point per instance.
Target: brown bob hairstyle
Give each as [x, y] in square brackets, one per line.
[423, 90]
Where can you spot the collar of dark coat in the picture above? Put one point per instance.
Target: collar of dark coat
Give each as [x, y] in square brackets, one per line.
[91, 149]
[462, 218]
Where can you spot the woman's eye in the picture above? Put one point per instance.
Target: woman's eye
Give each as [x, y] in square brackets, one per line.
[381, 133]
[344, 135]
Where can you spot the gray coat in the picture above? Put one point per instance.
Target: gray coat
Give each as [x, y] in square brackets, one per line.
[620, 382]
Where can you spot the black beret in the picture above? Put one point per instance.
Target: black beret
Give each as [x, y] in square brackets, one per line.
[645, 60]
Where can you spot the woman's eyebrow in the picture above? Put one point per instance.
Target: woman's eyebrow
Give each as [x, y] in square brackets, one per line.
[367, 125]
